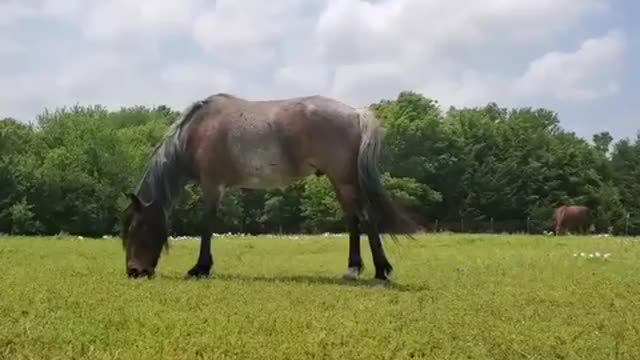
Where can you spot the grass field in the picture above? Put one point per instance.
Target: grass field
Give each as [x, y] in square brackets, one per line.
[453, 297]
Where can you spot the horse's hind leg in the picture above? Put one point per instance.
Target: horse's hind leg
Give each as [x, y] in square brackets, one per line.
[348, 197]
[354, 264]
[204, 264]
[382, 264]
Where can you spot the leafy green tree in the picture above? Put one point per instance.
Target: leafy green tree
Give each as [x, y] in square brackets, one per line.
[23, 219]
[625, 163]
[602, 142]
[281, 211]
[320, 206]
[17, 146]
[471, 166]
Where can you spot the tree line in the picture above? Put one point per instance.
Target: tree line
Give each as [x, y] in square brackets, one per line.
[472, 169]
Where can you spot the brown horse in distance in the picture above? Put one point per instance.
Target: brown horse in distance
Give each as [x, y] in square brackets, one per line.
[227, 142]
[572, 217]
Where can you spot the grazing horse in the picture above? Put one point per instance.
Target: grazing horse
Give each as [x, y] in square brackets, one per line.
[572, 217]
[225, 142]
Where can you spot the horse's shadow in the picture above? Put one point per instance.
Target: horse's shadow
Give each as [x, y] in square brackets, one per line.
[308, 279]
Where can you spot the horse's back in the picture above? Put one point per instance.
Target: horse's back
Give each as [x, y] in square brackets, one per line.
[268, 110]
[269, 143]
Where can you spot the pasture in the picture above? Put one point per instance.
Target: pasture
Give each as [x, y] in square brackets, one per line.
[452, 297]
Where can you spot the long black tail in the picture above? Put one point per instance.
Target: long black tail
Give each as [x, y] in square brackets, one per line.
[377, 205]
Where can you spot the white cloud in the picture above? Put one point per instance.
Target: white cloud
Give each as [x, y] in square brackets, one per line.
[185, 83]
[12, 11]
[9, 46]
[303, 78]
[366, 82]
[470, 88]
[114, 20]
[249, 32]
[360, 30]
[461, 52]
[436, 45]
[590, 72]
[103, 77]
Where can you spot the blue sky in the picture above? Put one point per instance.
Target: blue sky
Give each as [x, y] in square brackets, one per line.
[573, 56]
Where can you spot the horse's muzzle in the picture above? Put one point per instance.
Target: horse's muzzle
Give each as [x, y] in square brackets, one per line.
[134, 270]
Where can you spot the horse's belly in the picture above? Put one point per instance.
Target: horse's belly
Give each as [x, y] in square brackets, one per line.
[265, 166]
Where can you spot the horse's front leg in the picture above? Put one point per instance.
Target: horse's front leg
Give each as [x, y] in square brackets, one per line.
[204, 264]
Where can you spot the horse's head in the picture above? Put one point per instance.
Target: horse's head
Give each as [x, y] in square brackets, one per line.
[144, 233]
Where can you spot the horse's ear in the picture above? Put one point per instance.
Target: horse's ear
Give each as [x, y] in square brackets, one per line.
[135, 201]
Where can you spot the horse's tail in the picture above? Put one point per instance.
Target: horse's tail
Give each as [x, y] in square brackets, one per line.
[376, 203]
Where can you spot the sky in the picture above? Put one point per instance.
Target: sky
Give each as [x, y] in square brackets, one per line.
[575, 57]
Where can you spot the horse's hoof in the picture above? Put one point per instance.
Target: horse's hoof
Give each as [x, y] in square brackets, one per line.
[384, 274]
[382, 282]
[352, 273]
[382, 279]
[196, 276]
[198, 272]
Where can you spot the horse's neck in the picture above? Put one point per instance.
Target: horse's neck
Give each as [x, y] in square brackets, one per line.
[162, 183]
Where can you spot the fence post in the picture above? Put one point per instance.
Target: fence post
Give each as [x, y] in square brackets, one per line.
[528, 225]
[626, 224]
[491, 224]
[435, 227]
[461, 225]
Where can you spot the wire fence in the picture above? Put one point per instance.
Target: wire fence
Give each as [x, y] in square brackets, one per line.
[491, 226]
[627, 226]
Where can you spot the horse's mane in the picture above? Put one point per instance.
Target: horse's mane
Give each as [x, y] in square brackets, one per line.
[165, 171]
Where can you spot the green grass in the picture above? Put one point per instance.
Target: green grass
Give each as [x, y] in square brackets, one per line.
[454, 297]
